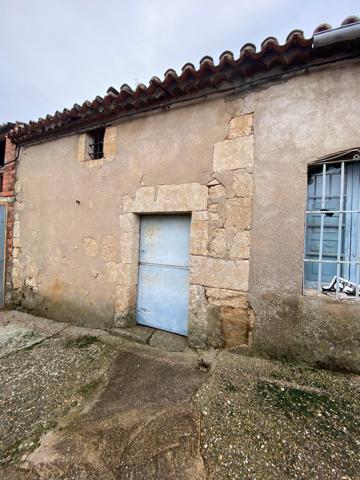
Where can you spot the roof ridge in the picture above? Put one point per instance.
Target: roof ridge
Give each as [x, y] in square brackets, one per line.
[176, 85]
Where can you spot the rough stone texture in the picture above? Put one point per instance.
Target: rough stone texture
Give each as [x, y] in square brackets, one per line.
[129, 246]
[238, 213]
[168, 341]
[240, 247]
[235, 326]
[109, 248]
[200, 216]
[220, 243]
[125, 298]
[90, 246]
[227, 298]
[129, 222]
[216, 272]
[81, 147]
[234, 154]
[110, 142]
[241, 126]
[199, 237]
[168, 198]
[243, 184]
[198, 323]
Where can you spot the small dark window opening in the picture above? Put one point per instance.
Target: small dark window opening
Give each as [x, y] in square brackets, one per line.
[96, 143]
[2, 152]
[1, 182]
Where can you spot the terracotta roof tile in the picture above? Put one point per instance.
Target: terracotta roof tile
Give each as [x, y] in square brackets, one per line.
[230, 72]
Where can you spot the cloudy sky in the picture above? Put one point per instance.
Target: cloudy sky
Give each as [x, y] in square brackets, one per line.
[54, 53]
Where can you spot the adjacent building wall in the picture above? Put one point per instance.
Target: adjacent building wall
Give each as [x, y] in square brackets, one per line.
[295, 123]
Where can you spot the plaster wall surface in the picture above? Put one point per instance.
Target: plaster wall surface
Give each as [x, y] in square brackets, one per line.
[295, 123]
[68, 211]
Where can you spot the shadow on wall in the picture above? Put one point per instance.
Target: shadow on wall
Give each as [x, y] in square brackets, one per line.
[322, 332]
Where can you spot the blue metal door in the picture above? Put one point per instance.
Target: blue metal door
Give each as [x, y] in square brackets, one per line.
[2, 251]
[163, 286]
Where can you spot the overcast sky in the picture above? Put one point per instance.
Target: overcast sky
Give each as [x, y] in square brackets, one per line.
[57, 53]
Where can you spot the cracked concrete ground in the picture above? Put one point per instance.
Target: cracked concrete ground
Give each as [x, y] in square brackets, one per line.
[81, 404]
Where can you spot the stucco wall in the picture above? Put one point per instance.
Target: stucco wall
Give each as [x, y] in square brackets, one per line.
[77, 221]
[295, 123]
[239, 166]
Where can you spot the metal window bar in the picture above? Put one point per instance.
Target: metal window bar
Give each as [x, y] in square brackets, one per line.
[341, 211]
[97, 145]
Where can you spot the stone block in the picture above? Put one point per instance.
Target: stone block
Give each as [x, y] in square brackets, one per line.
[243, 184]
[129, 245]
[240, 247]
[109, 248]
[125, 298]
[234, 154]
[227, 298]
[238, 213]
[235, 326]
[144, 200]
[185, 197]
[220, 273]
[129, 222]
[81, 147]
[169, 198]
[199, 237]
[198, 325]
[241, 126]
[110, 142]
[201, 215]
[220, 242]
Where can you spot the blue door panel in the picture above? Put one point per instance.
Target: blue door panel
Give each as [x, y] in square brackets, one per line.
[163, 284]
[163, 298]
[165, 239]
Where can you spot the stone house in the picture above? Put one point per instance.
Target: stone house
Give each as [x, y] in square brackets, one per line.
[184, 205]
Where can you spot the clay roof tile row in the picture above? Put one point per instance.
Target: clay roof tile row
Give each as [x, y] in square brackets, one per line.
[296, 51]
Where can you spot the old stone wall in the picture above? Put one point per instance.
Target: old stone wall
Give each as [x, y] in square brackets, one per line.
[78, 219]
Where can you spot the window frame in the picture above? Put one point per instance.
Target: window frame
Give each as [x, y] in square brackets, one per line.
[340, 158]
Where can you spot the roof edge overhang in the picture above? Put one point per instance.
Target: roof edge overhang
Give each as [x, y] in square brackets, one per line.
[251, 69]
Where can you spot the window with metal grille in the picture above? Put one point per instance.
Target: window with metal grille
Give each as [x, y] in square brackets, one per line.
[332, 230]
[96, 143]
